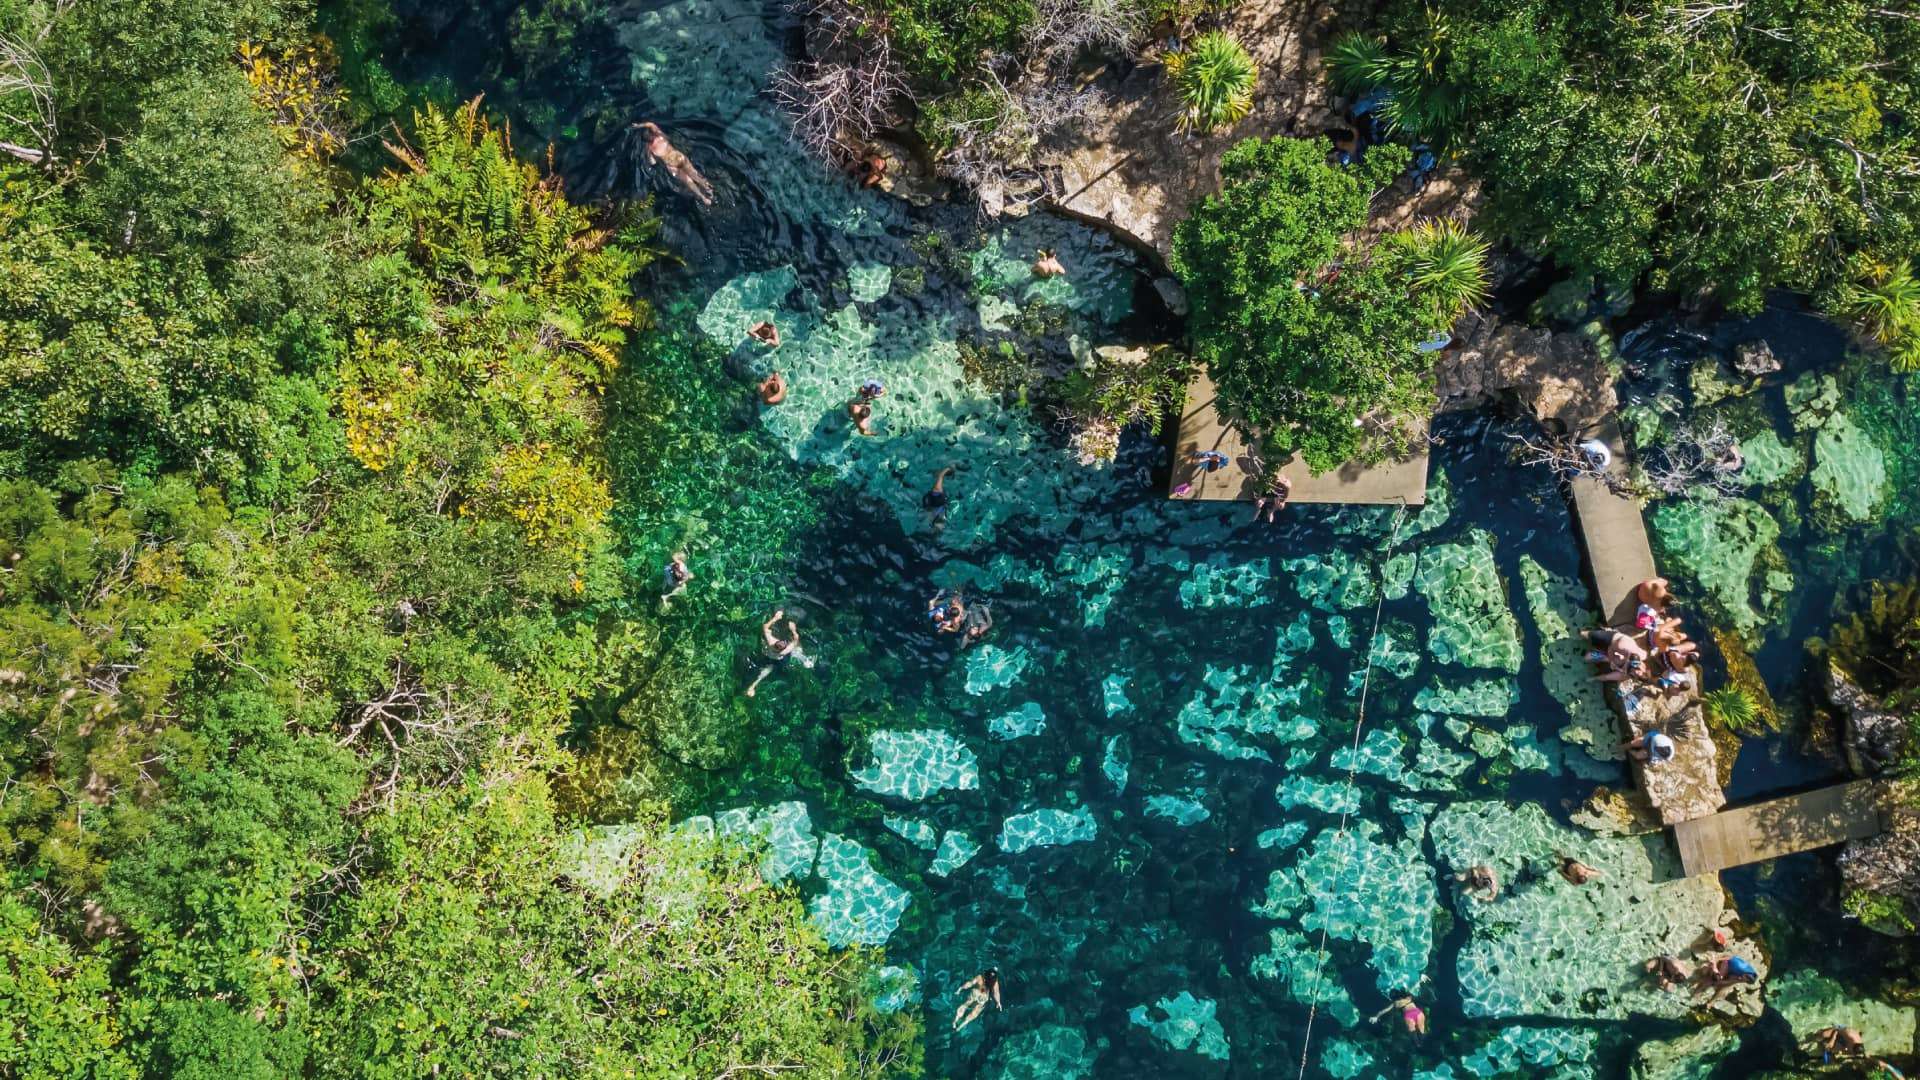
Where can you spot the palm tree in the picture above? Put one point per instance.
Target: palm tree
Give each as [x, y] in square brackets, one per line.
[1887, 306]
[1420, 102]
[1215, 77]
[1446, 263]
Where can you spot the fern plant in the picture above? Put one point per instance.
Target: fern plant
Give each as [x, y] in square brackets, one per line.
[1731, 707]
[1445, 265]
[1215, 77]
[1886, 303]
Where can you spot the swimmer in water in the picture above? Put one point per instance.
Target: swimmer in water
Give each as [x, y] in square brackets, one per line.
[675, 162]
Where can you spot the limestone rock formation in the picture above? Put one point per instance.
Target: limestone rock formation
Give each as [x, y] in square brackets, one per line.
[1559, 378]
[1755, 358]
[1887, 868]
[1875, 736]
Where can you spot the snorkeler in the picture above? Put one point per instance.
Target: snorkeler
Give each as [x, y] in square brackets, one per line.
[947, 612]
[979, 621]
[773, 389]
[675, 162]
[979, 990]
[934, 502]
[778, 650]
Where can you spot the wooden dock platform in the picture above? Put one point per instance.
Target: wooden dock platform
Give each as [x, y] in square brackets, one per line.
[1619, 557]
[1849, 811]
[1203, 427]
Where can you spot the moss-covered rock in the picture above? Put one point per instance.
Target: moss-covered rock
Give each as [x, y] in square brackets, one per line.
[1849, 472]
[1811, 1001]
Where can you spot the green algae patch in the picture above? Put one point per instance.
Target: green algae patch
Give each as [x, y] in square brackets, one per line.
[1546, 947]
[1849, 472]
[1560, 611]
[917, 764]
[1812, 400]
[1473, 625]
[1185, 1023]
[1727, 546]
[1046, 828]
[1810, 1001]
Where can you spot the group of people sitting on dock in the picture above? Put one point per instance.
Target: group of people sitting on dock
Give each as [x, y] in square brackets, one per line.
[1656, 654]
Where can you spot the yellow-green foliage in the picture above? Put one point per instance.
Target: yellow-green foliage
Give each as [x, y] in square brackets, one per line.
[479, 392]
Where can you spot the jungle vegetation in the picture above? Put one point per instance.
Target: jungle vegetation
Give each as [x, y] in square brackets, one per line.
[1715, 151]
[1314, 339]
[306, 572]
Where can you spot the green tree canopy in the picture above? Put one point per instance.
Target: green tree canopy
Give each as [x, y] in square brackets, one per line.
[1312, 336]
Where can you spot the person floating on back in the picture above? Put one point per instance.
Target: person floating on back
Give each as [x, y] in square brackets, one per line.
[675, 162]
[979, 990]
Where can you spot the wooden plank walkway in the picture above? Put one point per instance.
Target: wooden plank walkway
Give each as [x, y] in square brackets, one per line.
[1619, 558]
[1849, 811]
[1202, 427]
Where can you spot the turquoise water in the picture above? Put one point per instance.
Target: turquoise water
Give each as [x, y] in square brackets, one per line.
[1148, 798]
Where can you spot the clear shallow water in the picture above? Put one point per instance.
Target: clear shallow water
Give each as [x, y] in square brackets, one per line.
[1130, 800]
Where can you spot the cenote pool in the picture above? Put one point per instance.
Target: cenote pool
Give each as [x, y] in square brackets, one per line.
[1148, 795]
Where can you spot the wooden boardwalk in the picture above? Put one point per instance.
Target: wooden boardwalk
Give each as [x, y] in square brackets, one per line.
[1203, 428]
[1619, 558]
[1782, 826]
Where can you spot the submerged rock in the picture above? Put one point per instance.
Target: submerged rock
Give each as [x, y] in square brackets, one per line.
[1186, 1023]
[1047, 1052]
[1046, 828]
[1177, 810]
[1755, 358]
[1358, 888]
[1810, 1001]
[1473, 623]
[1881, 876]
[955, 851]
[990, 667]
[1560, 611]
[1026, 720]
[1727, 545]
[1849, 472]
[1546, 947]
[859, 906]
[917, 764]
[1693, 1056]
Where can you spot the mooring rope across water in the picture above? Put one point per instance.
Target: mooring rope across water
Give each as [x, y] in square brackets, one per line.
[1353, 764]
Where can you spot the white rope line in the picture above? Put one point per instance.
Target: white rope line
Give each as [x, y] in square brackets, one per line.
[1353, 764]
